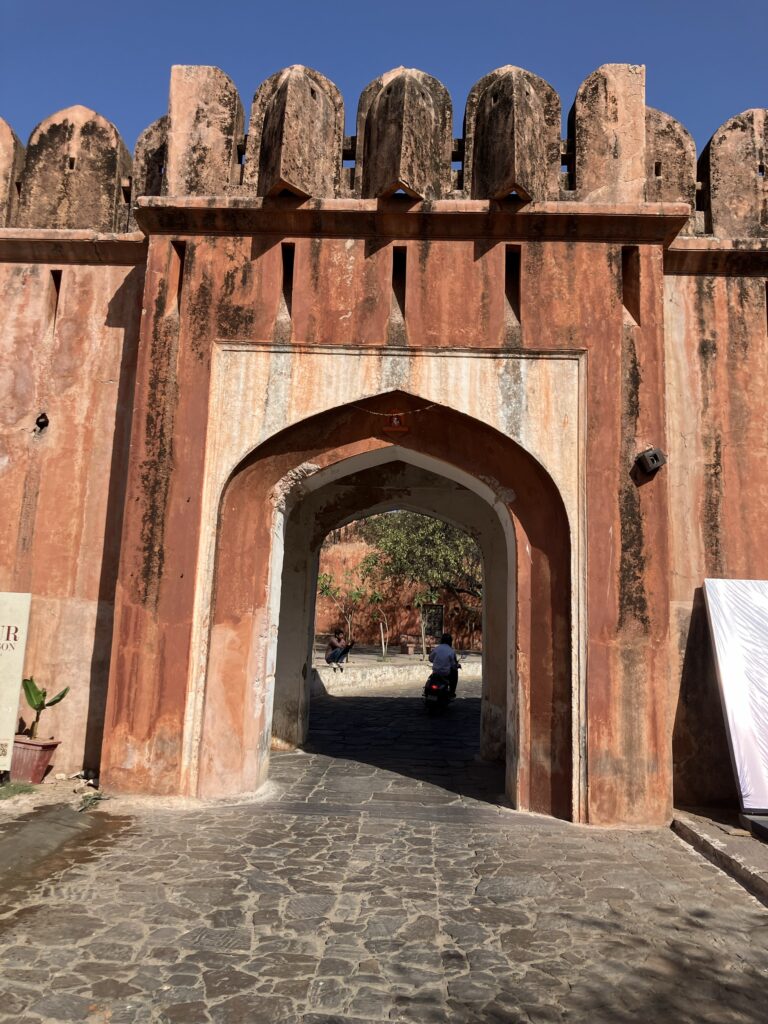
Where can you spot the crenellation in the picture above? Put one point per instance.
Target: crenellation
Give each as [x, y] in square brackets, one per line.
[205, 128]
[512, 137]
[732, 170]
[608, 133]
[295, 136]
[407, 136]
[11, 167]
[670, 160]
[150, 157]
[74, 167]
[616, 150]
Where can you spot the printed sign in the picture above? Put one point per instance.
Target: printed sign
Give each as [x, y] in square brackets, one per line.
[14, 623]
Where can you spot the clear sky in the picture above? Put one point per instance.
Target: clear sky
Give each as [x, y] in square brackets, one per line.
[706, 60]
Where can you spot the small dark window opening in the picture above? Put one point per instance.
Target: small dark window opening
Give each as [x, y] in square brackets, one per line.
[288, 250]
[56, 282]
[179, 255]
[399, 272]
[18, 189]
[348, 151]
[512, 266]
[761, 170]
[566, 166]
[71, 163]
[657, 168]
[313, 94]
[630, 283]
[241, 159]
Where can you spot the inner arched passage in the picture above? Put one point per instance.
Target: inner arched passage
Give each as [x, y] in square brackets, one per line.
[257, 505]
[379, 481]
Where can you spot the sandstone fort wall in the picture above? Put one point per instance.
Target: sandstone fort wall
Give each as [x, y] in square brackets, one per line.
[271, 227]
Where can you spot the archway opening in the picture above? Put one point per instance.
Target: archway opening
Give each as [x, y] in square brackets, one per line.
[276, 510]
[396, 581]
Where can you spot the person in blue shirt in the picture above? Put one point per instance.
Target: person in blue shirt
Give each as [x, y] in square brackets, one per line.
[445, 663]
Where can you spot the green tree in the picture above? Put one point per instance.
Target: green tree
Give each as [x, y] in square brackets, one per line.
[413, 549]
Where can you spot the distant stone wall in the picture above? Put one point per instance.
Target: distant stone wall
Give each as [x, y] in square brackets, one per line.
[400, 607]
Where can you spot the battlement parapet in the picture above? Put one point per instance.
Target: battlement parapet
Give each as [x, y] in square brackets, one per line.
[76, 172]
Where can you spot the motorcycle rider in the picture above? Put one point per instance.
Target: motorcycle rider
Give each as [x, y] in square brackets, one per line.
[445, 663]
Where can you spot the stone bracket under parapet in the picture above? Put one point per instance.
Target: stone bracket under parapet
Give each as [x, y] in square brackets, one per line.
[412, 219]
[746, 257]
[44, 245]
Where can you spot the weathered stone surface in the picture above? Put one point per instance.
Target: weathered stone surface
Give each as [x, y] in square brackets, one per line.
[295, 135]
[11, 166]
[670, 160]
[74, 168]
[512, 137]
[205, 129]
[404, 125]
[64, 546]
[279, 339]
[607, 129]
[733, 170]
[149, 160]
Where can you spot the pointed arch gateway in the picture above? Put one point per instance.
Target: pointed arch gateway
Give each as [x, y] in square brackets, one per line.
[260, 525]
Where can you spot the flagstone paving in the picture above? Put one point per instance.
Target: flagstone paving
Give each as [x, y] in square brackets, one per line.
[380, 878]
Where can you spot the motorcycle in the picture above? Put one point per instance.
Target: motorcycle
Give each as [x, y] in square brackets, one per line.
[437, 693]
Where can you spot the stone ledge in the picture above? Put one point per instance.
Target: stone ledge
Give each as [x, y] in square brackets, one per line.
[39, 245]
[382, 219]
[733, 850]
[362, 677]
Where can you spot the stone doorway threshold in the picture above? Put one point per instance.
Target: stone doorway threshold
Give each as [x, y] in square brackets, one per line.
[720, 836]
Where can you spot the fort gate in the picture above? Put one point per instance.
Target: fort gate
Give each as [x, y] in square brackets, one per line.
[249, 334]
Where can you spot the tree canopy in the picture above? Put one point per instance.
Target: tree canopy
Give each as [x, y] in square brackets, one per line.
[409, 548]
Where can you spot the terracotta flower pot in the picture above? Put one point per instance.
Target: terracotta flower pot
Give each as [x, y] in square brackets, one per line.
[31, 759]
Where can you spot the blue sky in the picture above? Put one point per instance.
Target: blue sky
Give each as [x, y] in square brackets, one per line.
[706, 61]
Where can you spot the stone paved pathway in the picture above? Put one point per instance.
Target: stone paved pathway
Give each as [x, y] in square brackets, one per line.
[379, 879]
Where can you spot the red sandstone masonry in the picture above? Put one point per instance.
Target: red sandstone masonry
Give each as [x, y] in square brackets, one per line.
[687, 373]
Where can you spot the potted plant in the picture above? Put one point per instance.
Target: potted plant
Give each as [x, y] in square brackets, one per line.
[31, 756]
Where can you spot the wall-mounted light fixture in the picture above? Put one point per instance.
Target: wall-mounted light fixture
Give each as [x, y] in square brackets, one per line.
[650, 461]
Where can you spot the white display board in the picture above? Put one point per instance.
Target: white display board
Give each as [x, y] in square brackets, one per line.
[14, 622]
[738, 620]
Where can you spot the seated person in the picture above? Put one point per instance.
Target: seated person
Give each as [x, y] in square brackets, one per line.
[337, 651]
[444, 661]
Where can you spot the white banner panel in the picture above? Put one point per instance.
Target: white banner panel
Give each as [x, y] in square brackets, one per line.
[738, 620]
[14, 620]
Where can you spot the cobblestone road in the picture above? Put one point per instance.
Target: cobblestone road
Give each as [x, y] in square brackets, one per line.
[378, 879]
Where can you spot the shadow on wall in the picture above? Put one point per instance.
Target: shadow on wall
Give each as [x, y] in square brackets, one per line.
[124, 312]
[397, 734]
[703, 773]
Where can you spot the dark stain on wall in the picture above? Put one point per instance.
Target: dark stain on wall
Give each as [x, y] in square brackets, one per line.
[155, 469]
[633, 601]
[712, 498]
[232, 319]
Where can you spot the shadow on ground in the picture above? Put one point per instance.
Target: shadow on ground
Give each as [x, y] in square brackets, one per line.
[395, 733]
